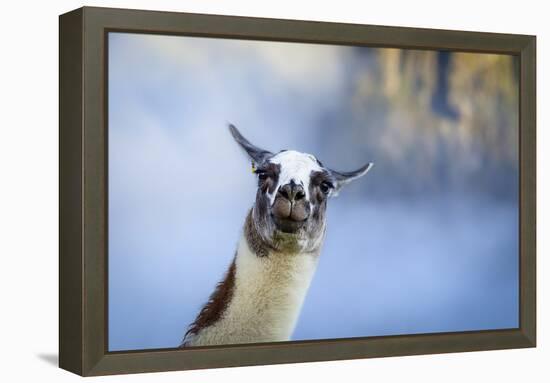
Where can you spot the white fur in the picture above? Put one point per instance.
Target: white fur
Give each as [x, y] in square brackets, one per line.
[295, 166]
[267, 298]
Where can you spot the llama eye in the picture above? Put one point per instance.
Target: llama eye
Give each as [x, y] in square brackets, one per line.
[262, 176]
[325, 187]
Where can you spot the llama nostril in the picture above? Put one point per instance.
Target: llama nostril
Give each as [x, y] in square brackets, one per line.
[292, 192]
[284, 192]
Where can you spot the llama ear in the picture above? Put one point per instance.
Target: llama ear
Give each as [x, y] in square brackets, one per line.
[257, 155]
[344, 178]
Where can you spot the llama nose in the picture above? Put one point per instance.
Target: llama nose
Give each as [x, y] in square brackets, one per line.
[292, 191]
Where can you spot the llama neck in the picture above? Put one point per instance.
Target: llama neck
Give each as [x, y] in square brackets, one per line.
[266, 296]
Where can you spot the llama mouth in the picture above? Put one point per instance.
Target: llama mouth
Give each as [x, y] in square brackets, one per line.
[288, 225]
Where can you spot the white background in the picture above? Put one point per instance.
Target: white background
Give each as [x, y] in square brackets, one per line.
[29, 191]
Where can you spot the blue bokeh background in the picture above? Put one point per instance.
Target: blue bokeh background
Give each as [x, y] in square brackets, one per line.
[426, 242]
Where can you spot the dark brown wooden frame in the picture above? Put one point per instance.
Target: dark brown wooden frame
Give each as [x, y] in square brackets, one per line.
[83, 191]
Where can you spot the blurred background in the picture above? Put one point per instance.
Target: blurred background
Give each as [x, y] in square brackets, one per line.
[426, 242]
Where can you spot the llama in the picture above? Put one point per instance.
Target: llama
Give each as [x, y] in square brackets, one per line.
[263, 290]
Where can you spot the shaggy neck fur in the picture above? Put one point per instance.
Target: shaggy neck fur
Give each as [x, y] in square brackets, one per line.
[259, 299]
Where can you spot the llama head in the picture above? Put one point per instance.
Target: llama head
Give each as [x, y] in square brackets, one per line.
[291, 199]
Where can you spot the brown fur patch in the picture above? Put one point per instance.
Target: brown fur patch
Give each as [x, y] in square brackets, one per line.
[271, 177]
[216, 305]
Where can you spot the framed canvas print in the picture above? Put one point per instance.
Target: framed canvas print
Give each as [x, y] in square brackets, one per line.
[240, 191]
